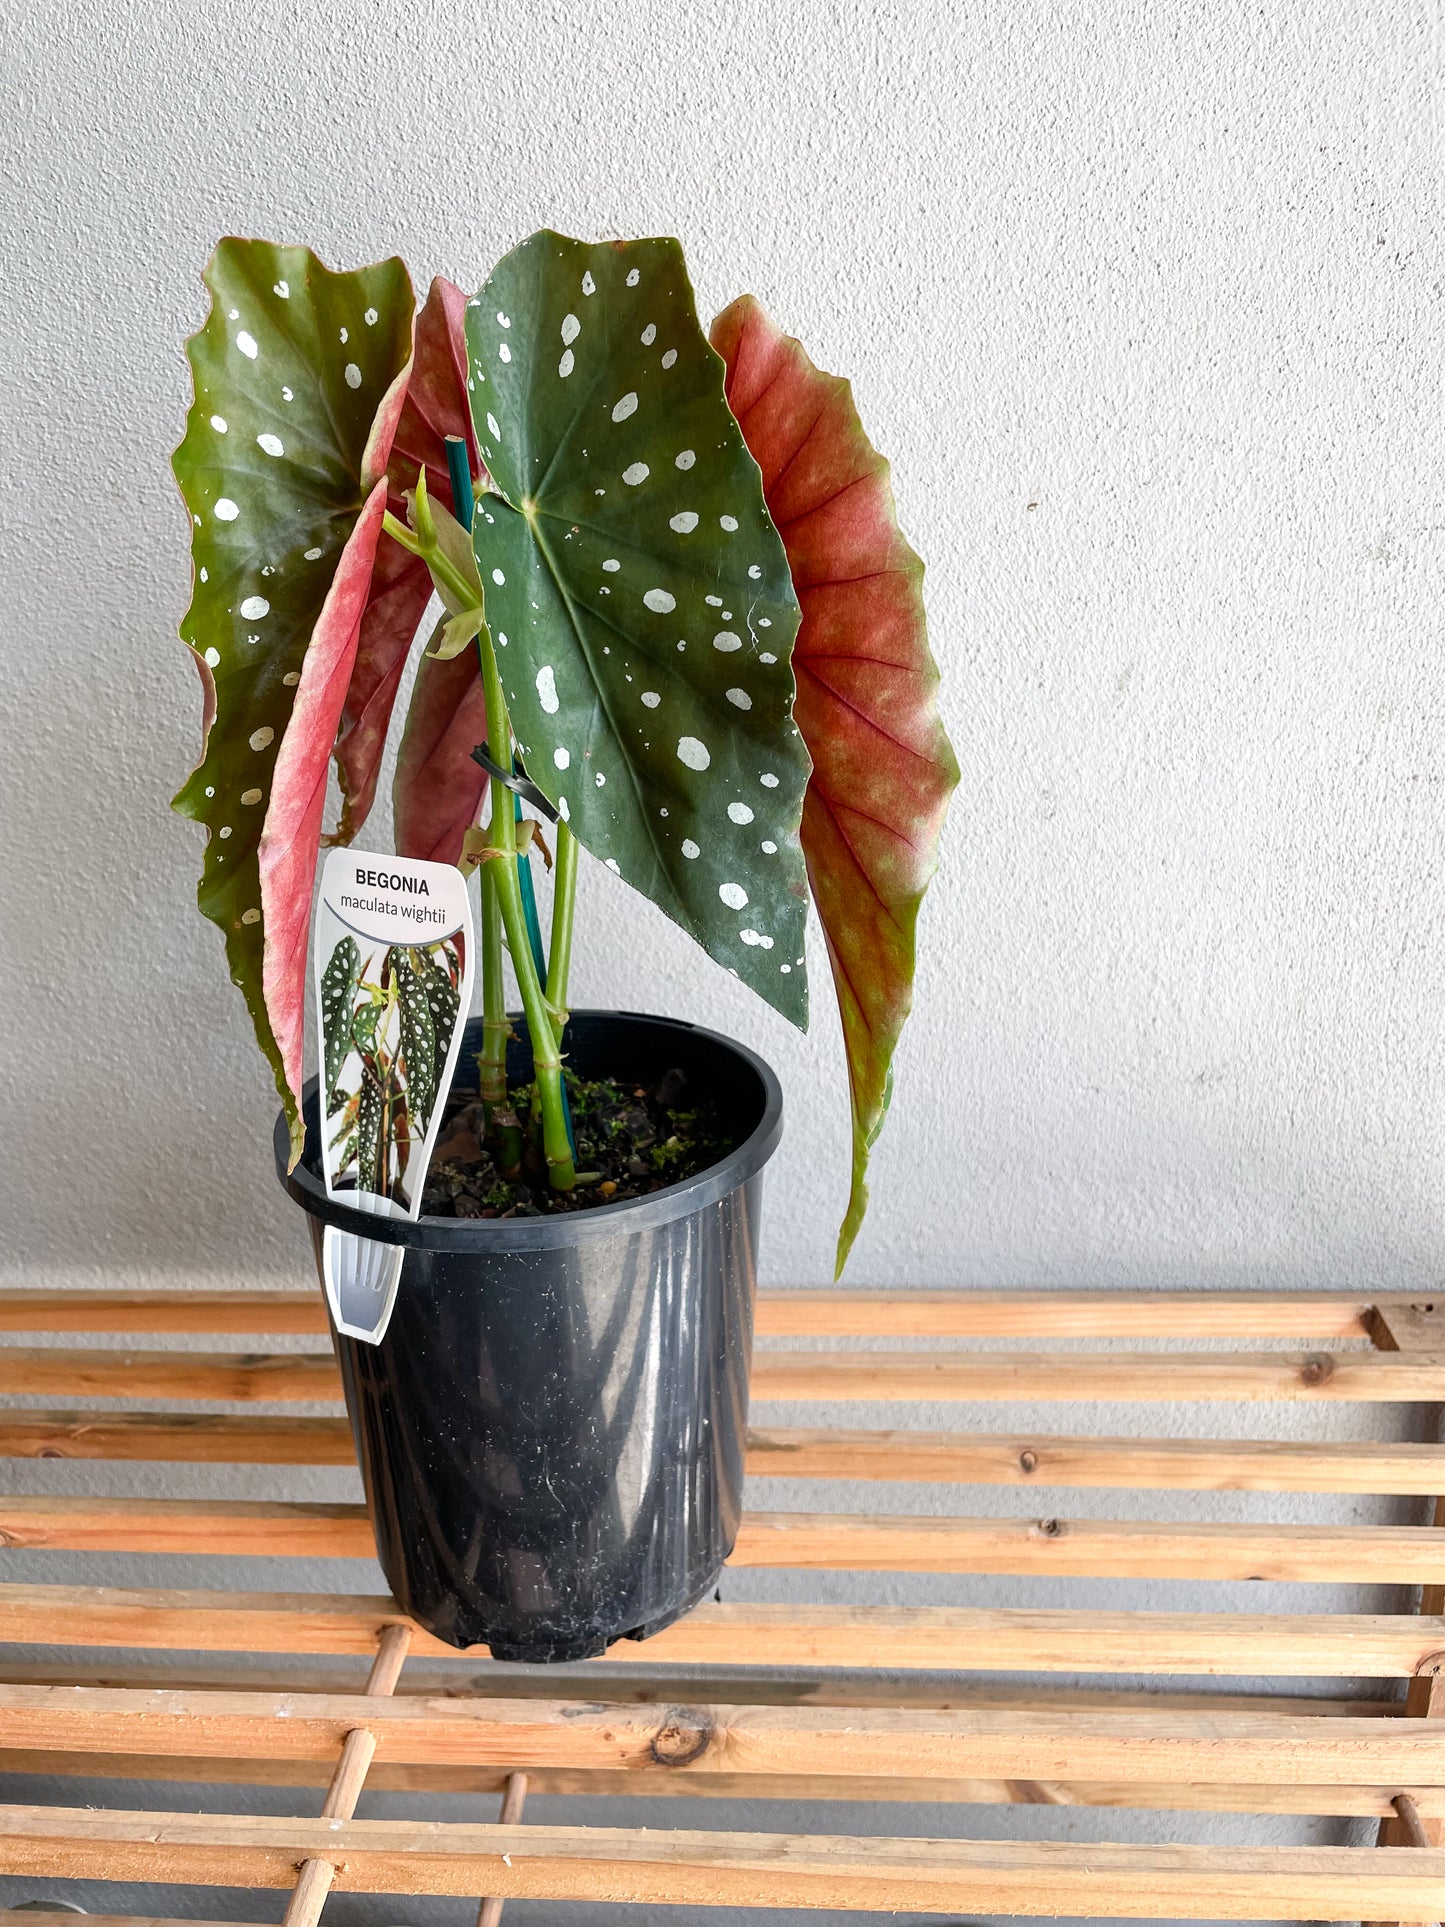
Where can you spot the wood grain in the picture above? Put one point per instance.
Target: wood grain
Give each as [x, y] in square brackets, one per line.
[964, 1313]
[945, 1639]
[1129, 1376]
[603, 1684]
[864, 1542]
[70, 1372]
[688, 1868]
[1345, 1801]
[191, 1438]
[970, 1458]
[1091, 1548]
[1064, 1742]
[1370, 1376]
[958, 1313]
[1028, 1459]
[33, 1309]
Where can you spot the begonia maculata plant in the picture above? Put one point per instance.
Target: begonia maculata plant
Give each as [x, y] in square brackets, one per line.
[683, 619]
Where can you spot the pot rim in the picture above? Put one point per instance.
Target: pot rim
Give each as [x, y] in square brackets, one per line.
[497, 1235]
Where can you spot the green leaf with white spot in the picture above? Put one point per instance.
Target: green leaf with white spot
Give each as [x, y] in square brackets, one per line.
[443, 998]
[418, 1034]
[365, 1029]
[371, 1145]
[638, 595]
[338, 1002]
[299, 377]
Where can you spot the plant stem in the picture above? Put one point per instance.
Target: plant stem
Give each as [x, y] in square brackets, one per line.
[529, 897]
[546, 1051]
[505, 884]
[545, 1036]
[449, 581]
[492, 1064]
[564, 900]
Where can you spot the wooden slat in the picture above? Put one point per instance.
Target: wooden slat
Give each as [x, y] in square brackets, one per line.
[190, 1438]
[1416, 1326]
[1319, 1375]
[958, 1313]
[217, 1526]
[1080, 1548]
[961, 1313]
[943, 1639]
[1081, 1742]
[1033, 1878]
[30, 1309]
[1345, 1801]
[1153, 1376]
[1092, 1548]
[602, 1683]
[40, 1372]
[1004, 1458]
[1026, 1459]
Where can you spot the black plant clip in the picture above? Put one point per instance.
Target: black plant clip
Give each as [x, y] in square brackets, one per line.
[515, 781]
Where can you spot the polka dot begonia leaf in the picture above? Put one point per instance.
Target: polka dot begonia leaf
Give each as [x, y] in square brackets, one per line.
[299, 378]
[638, 595]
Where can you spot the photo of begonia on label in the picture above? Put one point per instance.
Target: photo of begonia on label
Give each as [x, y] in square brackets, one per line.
[387, 1021]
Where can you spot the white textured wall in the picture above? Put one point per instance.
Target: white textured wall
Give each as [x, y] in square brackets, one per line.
[1146, 307]
[1145, 304]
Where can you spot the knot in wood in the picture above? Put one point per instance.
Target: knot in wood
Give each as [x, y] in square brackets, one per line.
[1051, 1528]
[1317, 1369]
[1028, 1461]
[1431, 1666]
[684, 1736]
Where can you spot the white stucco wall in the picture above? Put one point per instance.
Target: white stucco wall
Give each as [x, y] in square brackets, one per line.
[1146, 306]
[1146, 310]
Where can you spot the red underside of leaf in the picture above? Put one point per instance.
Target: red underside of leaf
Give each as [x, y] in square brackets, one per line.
[291, 837]
[208, 698]
[883, 770]
[438, 790]
[433, 406]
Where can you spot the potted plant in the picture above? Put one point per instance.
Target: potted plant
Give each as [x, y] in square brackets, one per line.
[681, 623]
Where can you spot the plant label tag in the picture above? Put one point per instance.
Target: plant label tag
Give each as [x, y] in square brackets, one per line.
[394, 960]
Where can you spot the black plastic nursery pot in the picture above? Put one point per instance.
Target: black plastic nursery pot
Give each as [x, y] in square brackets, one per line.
[552, 1430]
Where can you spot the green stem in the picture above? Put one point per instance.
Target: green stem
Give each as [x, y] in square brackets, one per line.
[505, 885]
[450, 582]
[546, 1051]
[545, 1036]
[564, 901]
[492, 1064]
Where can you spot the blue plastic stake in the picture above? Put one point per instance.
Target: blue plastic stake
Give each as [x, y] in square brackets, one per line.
[459, 473]
[529, 902]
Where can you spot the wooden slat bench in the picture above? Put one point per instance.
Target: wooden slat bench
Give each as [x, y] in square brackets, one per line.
[808, 1702]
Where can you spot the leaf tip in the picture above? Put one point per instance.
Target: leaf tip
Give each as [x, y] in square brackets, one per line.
[852, 1224]
[297, 1130]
